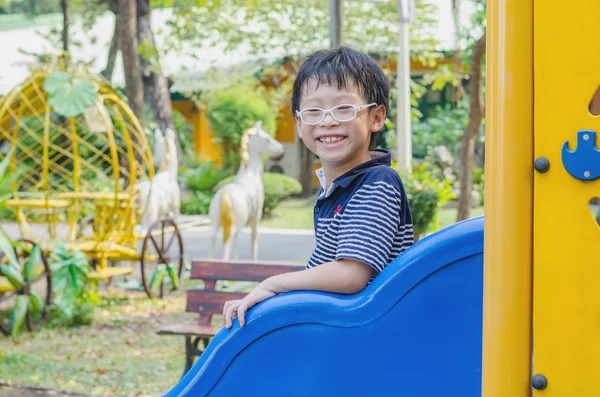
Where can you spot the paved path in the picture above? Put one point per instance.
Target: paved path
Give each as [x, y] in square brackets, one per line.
[274, 244]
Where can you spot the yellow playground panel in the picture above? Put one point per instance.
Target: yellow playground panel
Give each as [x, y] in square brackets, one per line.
[81, 156]
[542, 242]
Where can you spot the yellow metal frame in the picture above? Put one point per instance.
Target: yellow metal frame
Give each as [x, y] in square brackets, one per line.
[66, 162]
[566, 300]
[507, 313]
[542, 244]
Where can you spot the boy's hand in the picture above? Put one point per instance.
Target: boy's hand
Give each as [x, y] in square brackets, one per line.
[345, 276]
[239, 307]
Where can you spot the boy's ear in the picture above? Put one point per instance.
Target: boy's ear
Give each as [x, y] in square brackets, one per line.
[379, 115]
[298, 123]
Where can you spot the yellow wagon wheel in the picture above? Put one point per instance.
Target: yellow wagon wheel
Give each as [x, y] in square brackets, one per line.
[37, 287]
[162, 258]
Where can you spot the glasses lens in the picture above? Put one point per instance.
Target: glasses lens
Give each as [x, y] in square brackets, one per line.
[312, 115]
[344, 113]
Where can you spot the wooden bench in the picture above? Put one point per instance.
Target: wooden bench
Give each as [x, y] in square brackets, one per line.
[209, 301]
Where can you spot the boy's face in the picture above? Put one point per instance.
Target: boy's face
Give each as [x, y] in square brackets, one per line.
[337, 143]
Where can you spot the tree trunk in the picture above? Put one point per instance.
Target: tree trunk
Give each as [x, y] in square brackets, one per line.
[156, 86]
[112, 54]
[459, 90]
[126, 21]
[65, 32]
[477, 112]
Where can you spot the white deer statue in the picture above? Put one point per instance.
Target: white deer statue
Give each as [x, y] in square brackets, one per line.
[240, 202]
[162, 195]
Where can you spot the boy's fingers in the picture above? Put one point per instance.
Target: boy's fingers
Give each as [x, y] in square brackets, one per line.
[231, 309]
[225, 306]
[242, 313]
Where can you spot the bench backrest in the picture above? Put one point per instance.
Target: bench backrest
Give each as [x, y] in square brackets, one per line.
[209, 301]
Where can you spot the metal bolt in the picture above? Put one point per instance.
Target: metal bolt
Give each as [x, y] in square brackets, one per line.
[586, 174]
[539, 382]
[541, 164]
[586, 137]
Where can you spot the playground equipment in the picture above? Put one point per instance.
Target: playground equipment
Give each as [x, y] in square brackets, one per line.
[430, 325]
[240, 202]
[415, 330]
[83, 160]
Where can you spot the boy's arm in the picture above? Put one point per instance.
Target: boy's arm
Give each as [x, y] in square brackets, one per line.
[345, 276]
[370, 223]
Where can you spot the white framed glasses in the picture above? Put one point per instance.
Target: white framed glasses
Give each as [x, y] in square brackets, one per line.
[341, 113]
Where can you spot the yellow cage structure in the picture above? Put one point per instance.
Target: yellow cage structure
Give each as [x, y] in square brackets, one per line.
[80, 155]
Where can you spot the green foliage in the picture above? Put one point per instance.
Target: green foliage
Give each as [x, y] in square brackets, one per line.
[27, 304]
[204, 177]
[185, 132]
[444, 128]
[230, 112]
[479, 182]
[17, 318]
[441, 165]
[299, 25]
[29, 7]
[473, 30]
[6, 178]
[6, 247]
[298, 28]
[198, 203]
[201, 180]
[278, 187]
[426, 195]
[69, 96]
[75, 299]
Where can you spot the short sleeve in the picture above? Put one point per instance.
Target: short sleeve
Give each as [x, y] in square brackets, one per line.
[370, 223]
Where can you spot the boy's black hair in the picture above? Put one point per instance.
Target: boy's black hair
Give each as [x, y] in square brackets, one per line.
[344, 67]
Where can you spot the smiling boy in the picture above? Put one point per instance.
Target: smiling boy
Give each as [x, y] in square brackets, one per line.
[362, 217]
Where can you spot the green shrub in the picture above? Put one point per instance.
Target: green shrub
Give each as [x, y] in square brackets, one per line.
[74, 296]
[201, 180]
[230, 113]
[278, 187]
[444, 128]
[426, 195]
[204, 177]
[198, 204]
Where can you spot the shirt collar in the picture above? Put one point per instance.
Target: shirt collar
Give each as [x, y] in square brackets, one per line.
[378, 157]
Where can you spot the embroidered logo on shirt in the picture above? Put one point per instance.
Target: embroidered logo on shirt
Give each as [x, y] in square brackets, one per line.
[337, 210]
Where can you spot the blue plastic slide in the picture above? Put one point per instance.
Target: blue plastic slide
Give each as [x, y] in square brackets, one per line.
[415, 331]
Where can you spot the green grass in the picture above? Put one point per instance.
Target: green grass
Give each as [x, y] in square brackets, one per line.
[291, 214]
[297, 214]
[447, 216]
[120, 355]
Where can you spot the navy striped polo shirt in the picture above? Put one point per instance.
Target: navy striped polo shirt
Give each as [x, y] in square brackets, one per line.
[364, 215]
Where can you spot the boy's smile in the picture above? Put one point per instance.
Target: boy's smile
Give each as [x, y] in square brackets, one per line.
[340, 146]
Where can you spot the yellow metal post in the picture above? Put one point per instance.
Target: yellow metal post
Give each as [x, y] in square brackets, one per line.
[507, 312]
[566, 318]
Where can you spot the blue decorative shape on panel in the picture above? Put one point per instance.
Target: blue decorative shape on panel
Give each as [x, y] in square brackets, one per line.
[416, 330]
[584, 162]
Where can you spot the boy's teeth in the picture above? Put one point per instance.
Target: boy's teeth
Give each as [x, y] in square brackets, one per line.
[330, 139]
